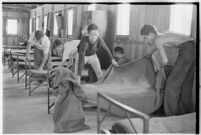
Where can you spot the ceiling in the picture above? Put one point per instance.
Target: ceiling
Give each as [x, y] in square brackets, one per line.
[20, 7]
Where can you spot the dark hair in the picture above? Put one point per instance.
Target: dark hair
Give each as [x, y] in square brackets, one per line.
[92, 27]
[39, 34]
[119, 49]
[147, 29]
[56, 43]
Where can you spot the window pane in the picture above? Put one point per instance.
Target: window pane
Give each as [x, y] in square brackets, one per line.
[180, 18]
[123, 19]
[91, 7]
[70, 22]
[12, 26]
[55, 32]
[44, 23]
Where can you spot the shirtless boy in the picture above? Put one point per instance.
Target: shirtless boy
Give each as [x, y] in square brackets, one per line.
[178, 89]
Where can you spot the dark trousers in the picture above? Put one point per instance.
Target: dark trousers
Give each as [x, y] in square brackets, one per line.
[178, 89]
[38, 56]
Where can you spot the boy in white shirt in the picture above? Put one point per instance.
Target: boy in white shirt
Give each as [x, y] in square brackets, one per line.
[41, 45]
[66, 51]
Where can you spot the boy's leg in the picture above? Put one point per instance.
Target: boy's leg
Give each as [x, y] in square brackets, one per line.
[77, 62]
[176, 79]
[48, 63]
[37, 57]
[95, 64]
[185, 103]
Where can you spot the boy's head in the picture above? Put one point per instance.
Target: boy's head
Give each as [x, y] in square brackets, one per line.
[39, 35]
[118, 52]
[149, 33]
[58, 47]
[93, 33]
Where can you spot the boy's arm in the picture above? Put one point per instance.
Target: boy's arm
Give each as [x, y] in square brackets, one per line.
[29, 44]
[81, 50]
[102, 43]
[155, 63]
[150, 52]
[161, 50]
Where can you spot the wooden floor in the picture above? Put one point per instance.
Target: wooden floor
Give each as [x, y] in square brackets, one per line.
[28, 114]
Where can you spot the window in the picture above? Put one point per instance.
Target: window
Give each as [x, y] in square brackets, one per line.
[37, 23]
[70, 22]
[55, 32]
[91, 7]
[180, 18]
[12, 26]
[123, 19]
[44, 23]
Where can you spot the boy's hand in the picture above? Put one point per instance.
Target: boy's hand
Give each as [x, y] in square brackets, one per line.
[114, 63]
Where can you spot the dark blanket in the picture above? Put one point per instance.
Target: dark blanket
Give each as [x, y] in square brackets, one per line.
[135, 84]
[68, 114]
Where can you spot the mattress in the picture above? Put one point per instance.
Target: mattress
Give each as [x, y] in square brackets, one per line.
[174, 124]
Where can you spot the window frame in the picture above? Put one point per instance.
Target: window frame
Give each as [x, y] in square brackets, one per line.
[7, 27]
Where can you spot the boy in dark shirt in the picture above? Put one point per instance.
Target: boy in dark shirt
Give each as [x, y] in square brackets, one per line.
[87, 49]
[119, 55]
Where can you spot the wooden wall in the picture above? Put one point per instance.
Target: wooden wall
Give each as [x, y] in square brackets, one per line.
[23, 27]
[140, 14]
[158, 15]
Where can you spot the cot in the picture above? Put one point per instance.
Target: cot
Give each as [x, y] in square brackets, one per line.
[143, 123]
[39, 76]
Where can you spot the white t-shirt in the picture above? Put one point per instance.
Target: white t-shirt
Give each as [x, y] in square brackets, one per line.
[45, 45]
[69, 47]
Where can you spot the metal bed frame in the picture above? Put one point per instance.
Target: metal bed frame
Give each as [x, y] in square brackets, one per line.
[128, 110]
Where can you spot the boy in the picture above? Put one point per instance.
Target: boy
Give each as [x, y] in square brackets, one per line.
[87, 49]
[65, 51]
[41, 45]
[119, 55]
[178, 89]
